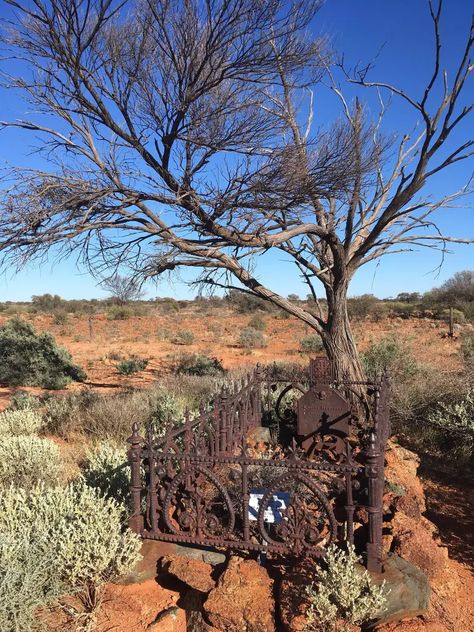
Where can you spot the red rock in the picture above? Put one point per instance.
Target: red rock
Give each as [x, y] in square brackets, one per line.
[243, 599]
[292, 600]
[195, 573]
[171, 620]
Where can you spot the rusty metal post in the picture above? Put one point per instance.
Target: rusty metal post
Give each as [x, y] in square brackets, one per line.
[135, 521]
[374, 473]
[451, 323]
[256, 397]
[349, 506]
[223, 418]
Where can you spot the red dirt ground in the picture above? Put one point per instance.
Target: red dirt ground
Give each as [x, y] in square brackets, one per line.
[216, 332]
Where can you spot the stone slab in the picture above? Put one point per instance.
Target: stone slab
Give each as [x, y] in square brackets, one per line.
[409, 590]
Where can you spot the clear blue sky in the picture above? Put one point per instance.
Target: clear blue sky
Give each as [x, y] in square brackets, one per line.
[400, 33]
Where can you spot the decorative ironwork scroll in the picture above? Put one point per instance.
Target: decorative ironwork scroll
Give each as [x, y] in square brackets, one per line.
[197, 483]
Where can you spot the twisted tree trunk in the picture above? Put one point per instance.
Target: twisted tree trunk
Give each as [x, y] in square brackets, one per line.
[338, 339]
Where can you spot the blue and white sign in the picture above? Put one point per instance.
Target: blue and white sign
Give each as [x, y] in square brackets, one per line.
[272, 514]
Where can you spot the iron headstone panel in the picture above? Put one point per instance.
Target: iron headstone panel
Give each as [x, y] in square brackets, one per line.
[322, 410]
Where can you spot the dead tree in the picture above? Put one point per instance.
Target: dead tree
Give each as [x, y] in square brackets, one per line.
[122, 289]
[181, 134]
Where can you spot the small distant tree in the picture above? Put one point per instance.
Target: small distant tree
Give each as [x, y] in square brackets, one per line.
[122, 289]
[409, 297]
[459, 288]
[47, 302]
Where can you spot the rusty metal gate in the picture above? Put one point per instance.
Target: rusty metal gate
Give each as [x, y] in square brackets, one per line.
[218, 479]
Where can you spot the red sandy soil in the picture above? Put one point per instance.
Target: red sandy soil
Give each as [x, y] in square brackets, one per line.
[133, 608]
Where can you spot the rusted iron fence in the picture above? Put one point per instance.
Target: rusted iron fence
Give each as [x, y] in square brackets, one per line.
[218, 479]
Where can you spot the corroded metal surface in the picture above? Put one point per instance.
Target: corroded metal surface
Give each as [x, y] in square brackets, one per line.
[195, 484]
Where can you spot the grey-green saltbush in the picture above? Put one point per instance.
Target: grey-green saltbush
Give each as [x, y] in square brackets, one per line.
[311, 344]
[26, 460]
[20, 422]
[103, 469]
[27, 581]
[391, 354]
[251, 338]
[456, 420]
[342, 593]
[80, 531]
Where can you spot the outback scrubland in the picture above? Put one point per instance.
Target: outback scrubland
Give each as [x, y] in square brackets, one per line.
[92, 368]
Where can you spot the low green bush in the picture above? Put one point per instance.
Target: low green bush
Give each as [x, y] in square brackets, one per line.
[245, 303]
[389, 354]
[257, 322]
[132, 365]
[102, 417]
[197, 364]
[79, 531]
[103, 469]
[466, 349]
[166, 409]
[343, 594]
[119, 313]
[184, 337]
[22, 400]
[311, 344]
[455, 420]
[31, 359]
[251, 338]
[20, 422]
[26, 460]
[60, 318]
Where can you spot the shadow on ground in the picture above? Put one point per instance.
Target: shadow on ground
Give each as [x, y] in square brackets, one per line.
[450, 503]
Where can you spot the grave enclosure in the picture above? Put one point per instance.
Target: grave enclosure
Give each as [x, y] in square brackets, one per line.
[281, 463]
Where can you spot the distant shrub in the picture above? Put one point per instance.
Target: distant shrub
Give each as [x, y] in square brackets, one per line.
[47, 302]
[389, 354]
[467, 348]
[311, 344]
[60, 318]
[79, 531]
[360, 307]
[132, 365]
[257, 322]
[343, 595]
[458, 315]
[31, 359]
[22, 400]
[27, 582]
[103, 470]
[400, 309]
[456, 420]
[20, 422]
[163, 334]
[26, 460]
[251, 338]
[119, 312]
[245, 303]
[169, 306]
[197, 364]
[116, 356]
[184, 337]
[217, 330]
